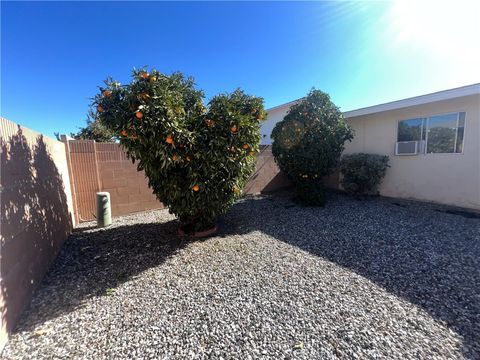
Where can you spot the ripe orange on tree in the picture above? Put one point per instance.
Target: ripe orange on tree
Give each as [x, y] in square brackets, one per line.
[176, 133]
[318, 118]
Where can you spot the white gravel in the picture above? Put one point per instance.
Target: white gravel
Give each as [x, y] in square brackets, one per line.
[356, 279]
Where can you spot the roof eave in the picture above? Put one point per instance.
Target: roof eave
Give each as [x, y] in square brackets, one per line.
[468, 90]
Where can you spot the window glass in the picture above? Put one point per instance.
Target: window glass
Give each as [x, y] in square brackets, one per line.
[410, 130]
[442, 131]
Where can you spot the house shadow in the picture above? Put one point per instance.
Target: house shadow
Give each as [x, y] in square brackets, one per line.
[419, 261]
[35, 220]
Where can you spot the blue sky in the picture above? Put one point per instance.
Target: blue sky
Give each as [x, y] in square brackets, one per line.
[55, 54]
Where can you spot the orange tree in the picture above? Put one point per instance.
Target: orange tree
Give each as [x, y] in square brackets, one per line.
[197, 158]
[308, 143]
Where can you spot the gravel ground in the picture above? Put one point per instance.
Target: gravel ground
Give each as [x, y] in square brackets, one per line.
[356, 279]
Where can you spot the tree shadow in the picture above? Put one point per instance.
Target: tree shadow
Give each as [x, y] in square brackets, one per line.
[413, 251]
[279, 182]
[431, 259]
[35, 221]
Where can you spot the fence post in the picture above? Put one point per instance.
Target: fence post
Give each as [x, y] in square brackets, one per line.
[64, 139]
[99, 184]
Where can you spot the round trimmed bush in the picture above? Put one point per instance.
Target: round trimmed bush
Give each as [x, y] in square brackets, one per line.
[308, 143]
[363, 173]
[197, 157]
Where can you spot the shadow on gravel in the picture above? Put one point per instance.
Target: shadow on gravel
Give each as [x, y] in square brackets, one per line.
[431, 259]
[427, 257]
[93, 261]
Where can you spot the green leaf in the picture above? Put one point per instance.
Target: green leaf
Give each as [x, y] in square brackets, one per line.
[174, 107]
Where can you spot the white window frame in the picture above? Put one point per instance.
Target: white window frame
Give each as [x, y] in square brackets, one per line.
[425, 128]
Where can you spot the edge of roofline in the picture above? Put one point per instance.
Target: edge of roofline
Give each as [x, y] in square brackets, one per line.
[473, 89]
[462, 91]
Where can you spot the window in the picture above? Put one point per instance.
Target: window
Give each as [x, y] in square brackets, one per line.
[441, 133]
[411, 130]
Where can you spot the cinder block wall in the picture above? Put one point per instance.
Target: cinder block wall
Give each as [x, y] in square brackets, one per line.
[128, 187]
[36, 215]
[105, 167]
[267, 177]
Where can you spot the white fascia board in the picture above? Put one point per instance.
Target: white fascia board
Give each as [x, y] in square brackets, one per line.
[286, 105]
[417, 100]
[399, 104]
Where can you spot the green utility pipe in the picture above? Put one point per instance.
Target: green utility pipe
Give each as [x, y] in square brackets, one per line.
[104, 210]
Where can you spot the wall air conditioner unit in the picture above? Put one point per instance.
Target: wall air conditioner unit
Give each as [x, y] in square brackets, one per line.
[406, 148]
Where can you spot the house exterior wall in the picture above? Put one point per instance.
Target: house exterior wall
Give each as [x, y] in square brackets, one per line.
[452, 179]
[36, 215]
[267, 126]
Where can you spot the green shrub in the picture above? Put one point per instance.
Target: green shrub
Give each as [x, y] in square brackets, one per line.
[197, 158]
[362, 173]
[308, 143]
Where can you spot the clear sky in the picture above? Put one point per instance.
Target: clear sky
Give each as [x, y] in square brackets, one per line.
[55, 54]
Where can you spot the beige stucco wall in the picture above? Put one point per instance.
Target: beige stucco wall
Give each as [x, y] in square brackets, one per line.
[36, 216]
[267, 126]
[452, 179]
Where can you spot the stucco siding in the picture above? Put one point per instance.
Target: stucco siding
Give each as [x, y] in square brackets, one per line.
[267, 126]
[452, 179]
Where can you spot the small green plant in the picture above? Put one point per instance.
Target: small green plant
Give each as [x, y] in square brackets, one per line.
[308, 143]
[110, 292]
[197, 157]
[363, 173]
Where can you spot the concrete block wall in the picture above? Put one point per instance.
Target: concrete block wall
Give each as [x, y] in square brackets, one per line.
[128, 187]
[105, 167]
[36, 215]
[267, 177]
